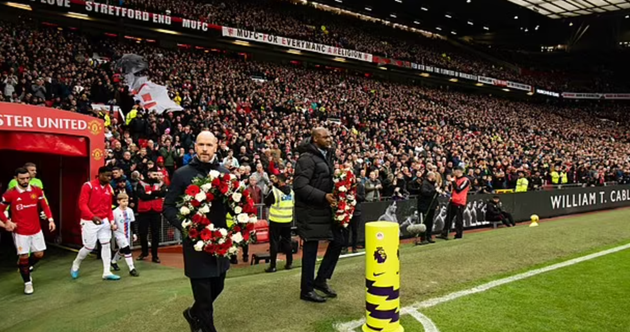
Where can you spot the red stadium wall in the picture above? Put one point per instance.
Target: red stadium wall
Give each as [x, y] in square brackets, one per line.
[68, 149]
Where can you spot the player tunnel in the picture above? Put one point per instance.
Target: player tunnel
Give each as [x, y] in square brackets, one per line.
[67, 149]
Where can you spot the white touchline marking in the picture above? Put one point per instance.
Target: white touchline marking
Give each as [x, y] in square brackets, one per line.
[426, 322]
[351, 326]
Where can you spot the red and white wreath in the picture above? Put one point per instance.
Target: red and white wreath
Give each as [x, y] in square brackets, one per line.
[196, 203]
[345, 191]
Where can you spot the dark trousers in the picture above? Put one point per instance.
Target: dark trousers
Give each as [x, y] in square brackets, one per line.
[428, 222]
[327, 267]
[351, 230]
[205, 291]
[457, 212]
[280, 240]
[507, 219]
[148, 220]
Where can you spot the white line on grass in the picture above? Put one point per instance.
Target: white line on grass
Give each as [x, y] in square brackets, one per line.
[351, 326]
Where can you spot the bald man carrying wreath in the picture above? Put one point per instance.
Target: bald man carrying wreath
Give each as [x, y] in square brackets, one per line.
[206, 272]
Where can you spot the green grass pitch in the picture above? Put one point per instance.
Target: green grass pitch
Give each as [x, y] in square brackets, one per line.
[589, 296]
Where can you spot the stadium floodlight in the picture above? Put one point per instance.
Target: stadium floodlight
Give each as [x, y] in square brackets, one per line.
[516, 17]
[486, 28]
[416, 22]
[293, 51]
[470, 23]
[340, 1]
[19, 6]
[571, 24]
[453, 32]
[454, 80]
[438, 28]
[425, 9]
[506, 90]
[392, 15]
[537, 27]
[399, 1]
[425, 75]
[368, 9]
[448, 16]
[479, 84]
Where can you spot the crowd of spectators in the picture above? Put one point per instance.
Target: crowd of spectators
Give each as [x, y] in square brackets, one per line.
[392, 132]
[305, 22]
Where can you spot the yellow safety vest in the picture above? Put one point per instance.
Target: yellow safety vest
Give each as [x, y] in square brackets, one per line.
[282, 210]
[132, 115]
[521, 185]
[565, 178]
[555, 177]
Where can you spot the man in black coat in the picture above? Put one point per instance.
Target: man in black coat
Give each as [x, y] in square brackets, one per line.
[206, 272]
[313, 187]
[494, 212]
[427, 203]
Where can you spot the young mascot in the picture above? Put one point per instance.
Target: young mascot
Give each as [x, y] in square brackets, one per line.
[123, 216]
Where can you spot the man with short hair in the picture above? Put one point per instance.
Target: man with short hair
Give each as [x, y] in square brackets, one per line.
[494, 212]
[97, 221]
[26, 201]
[150, 195]
[32, 170]
[313, 186]
[459, 197]
[280, 201]
[206, 272]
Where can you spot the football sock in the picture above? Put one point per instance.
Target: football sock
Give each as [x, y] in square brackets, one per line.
[106, 256]
[116, 257]
[80, 257]
[24, 270]
[129, 261]
[32, 260]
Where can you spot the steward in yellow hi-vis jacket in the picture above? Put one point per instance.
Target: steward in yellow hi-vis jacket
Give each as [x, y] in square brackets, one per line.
[522, 183]
[280, 201]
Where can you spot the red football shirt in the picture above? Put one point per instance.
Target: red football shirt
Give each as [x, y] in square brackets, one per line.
[25, 205]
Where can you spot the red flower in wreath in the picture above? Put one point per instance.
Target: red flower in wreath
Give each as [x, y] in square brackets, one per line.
[206, 234]
[210, 248]
[209, 197]
[195, 203]
[204, 221]
[223, 188]
[249, 227]
[246, 236]
[216, 182]
[193, 233]
[226, 177]
[237, 229]
[192, 190]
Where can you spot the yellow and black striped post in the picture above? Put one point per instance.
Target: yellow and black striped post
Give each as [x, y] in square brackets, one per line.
[382, 278]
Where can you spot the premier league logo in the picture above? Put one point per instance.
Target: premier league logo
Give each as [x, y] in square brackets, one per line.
[379, 255]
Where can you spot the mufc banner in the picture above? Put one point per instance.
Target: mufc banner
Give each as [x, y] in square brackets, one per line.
[296, 44]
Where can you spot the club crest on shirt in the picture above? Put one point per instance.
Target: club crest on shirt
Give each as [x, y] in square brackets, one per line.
[33, 196]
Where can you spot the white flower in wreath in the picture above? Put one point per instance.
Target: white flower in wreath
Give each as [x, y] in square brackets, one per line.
[341, 217]
[204, 209]
[232, 177]
[184, 211]
[200, 197]
[223, 232]
[343, 189]
[211, 227]
[186, 223]
[253, 220]
[221, 241]
[242, 218]
[214, 174]
[199, 246]
[353, 203]
[237, 238]
[237, 197]
[233, 250]
[238, 210]
[206, 187]
[350, 197]
[188, 198]
[348, 207]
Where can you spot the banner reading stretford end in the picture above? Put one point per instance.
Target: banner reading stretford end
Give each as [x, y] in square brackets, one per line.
[296, 44]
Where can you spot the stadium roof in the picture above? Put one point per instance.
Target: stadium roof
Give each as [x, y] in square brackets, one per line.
[570, 8]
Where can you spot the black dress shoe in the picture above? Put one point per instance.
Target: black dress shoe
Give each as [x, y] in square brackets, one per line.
[288, 267]
[245, 259]
[115, 267]
[312, 297]
[156, 260]
[323, 287]
[192, 321]
[354, 250]
[234, 260]
[443, 237]
[430, 241]
[270, 270]
[141, 257]
[134, 273]
[344, 251]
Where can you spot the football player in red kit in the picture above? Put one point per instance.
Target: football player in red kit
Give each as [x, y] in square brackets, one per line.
[25, 202]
